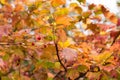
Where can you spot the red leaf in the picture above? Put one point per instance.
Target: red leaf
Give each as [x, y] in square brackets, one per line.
[113, 34]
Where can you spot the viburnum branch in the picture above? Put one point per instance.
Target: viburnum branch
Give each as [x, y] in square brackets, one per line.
[56, 45]
[57, 52]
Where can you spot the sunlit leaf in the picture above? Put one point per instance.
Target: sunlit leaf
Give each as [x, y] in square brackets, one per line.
[64, 44]
[61, 11]
[2, 1]
[56, 3]
[63, 20]
[103, 56]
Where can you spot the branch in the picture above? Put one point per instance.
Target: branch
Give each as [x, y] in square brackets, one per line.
[57, 52]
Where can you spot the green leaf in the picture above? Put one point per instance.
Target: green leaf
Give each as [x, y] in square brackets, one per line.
[82, 68]
[48, 64]
[25, 63]
[72, 73]
[5, 78]
[6, 57]
[49, 78]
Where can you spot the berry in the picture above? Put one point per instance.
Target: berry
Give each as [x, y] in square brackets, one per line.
[33, 43]
[38, 38]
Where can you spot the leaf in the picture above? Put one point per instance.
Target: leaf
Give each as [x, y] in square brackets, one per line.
[113, 34]
[93, 27]
[63, 20]
[5, 30]
[3, 1]
[19, 7]
[56, 3]
[64, 44]
[48, 64]
[72, 73]
[110, 16]
[57, 65]
[61, 35]
[78, 9]
[82, 68]
[40, 74]
[105, 27]
[98, 10]
[91, 6]
[5, 78]
[48, 52]
[81, 1]
[61, 12]
[103, 57]
[69, 54]
[49, 78]
[86, 14]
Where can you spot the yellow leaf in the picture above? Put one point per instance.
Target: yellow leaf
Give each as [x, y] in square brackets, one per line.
[103, 56]
[61, 11]
[57, 65]
[64, 44]
[74, 5]
[103, 33]
[2, 1]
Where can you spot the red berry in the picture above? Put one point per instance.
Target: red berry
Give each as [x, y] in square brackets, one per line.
[39, 38]
[33, 43]
[45, 46]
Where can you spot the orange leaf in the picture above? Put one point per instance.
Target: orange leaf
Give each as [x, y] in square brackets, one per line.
[19, 7]
[62, 35]
[110, 16]
[58, 2]
[63, 20]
